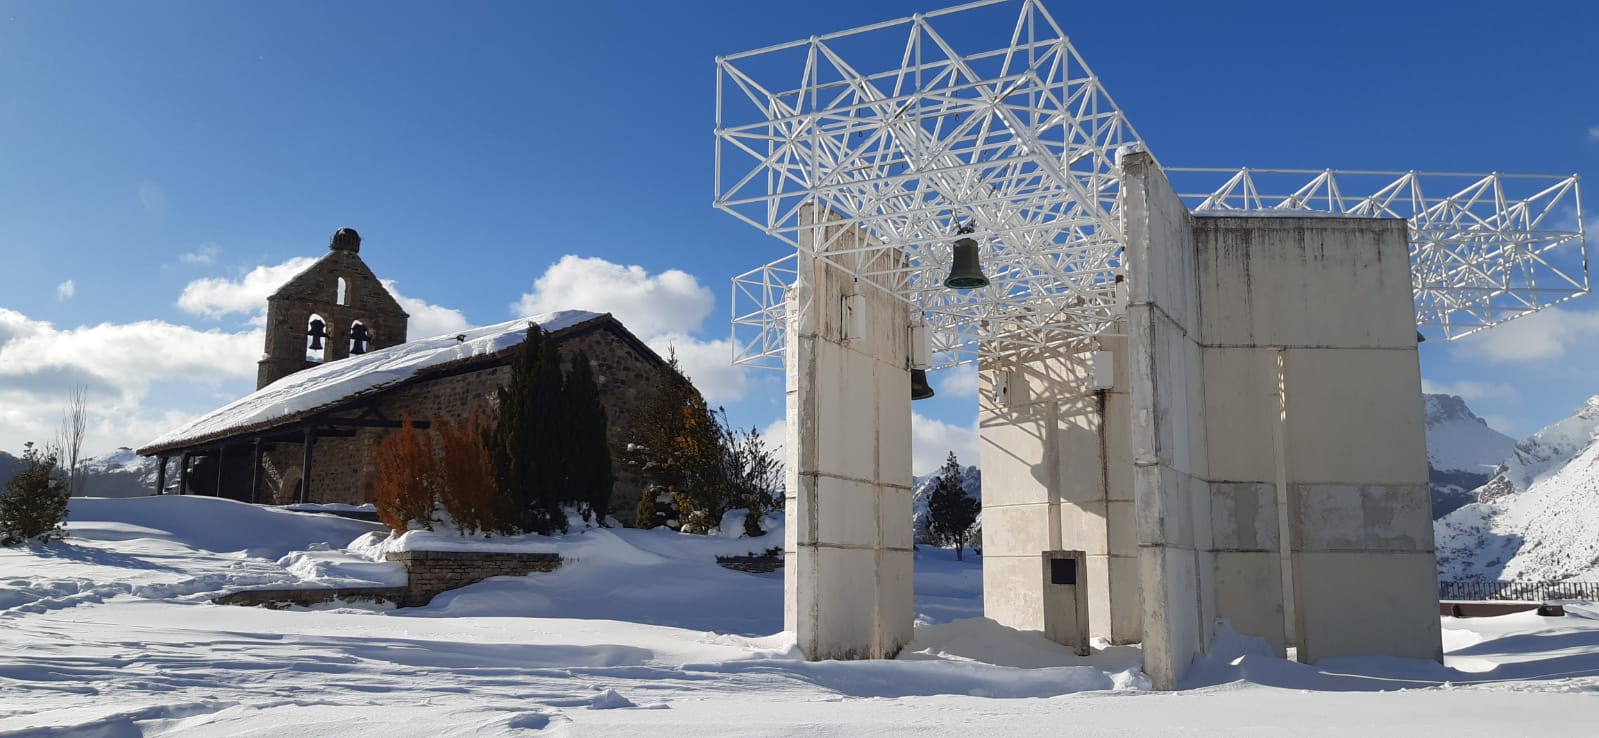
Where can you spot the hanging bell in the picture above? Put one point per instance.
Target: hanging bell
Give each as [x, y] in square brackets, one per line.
[965, 273]
[920, 389]
[318, 331]
[358, 339]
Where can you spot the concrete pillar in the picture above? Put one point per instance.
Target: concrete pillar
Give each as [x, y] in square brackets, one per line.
[848, 557]
[1055, 456]
[1167, 395]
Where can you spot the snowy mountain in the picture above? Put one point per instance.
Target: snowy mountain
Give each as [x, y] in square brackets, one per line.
[1536, 519]
[120, 473]
[1462, 452]
[922, 489]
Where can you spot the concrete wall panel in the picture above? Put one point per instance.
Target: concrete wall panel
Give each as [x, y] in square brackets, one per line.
[1249, 594]
[1008, 599]
[1244, 517]
[1363, 604]
[1240, 409]
[1254, 291]
[1353, 416]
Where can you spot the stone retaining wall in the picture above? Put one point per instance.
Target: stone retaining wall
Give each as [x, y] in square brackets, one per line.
[431, 572]
[427, 574]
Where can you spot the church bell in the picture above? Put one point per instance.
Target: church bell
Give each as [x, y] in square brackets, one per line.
[965, 273]
[920, 389]
[318, 331]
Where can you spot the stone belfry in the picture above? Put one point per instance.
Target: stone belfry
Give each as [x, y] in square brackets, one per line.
[334, 309]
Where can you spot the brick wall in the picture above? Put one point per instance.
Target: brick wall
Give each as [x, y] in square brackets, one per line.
[431, 572]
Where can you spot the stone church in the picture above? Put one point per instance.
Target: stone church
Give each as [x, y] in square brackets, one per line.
[338, 375]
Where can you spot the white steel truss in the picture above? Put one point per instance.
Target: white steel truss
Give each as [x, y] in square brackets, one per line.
[1482, 246]
[1019, 143]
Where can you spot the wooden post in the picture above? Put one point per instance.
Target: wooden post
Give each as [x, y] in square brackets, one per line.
[183, 474]
[255, 471]
[305, 466]
[161, 474]
[222, 451]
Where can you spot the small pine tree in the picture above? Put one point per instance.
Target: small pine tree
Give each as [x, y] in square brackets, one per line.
[588, 457]
[35, 501]
[950, 512]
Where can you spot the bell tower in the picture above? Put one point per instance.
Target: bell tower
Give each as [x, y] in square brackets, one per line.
[334, 309]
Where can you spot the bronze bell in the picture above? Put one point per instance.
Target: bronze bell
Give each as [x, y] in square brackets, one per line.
[318, 331]
[965, 273]
[358, 339]
[920, 389]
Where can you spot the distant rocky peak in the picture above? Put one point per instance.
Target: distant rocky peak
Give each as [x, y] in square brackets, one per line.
[1545, 452]
[1444, 408]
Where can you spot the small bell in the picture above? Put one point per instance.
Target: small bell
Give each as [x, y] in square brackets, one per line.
[358, 339]
[318, 331]
[965, 273]
[920, 389]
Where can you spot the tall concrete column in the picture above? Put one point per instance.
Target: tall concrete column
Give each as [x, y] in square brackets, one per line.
[847, 556]
[1167, 394]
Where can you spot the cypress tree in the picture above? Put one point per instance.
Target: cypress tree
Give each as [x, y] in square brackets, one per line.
[525, 442]
[588, 459]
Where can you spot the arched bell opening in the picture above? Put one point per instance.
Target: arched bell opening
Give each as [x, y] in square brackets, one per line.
[316, 335]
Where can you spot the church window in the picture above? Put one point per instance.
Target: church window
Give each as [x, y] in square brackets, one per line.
[343, 296]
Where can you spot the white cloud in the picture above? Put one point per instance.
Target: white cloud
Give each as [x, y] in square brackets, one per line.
[427, 320]
[1473, 391]
[206, 254]
[709, 364]
[1544, 335]
[960, 381]
[672, 301]
[932, 440]
[216, 297]
[1593, 133]
[117, 364]
[775, 434]
[66, 290]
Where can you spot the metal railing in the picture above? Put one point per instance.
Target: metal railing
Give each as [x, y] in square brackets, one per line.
[1532, 591]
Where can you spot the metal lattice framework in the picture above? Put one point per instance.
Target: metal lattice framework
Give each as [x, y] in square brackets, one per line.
[1020, 143]
[1482, 246]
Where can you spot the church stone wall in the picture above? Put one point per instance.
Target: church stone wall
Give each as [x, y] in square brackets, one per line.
[344, 469]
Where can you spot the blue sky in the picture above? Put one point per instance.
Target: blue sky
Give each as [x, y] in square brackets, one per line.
[169, 160]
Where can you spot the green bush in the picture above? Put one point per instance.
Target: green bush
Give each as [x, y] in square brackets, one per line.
[35, 501]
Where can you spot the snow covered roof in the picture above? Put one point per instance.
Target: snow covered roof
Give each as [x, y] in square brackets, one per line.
[328, 385]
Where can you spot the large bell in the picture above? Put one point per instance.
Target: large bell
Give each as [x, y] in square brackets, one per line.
[318, 331]
[920, 389]
[965, 273]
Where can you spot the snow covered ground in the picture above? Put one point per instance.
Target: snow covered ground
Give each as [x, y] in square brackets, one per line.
[111, 633]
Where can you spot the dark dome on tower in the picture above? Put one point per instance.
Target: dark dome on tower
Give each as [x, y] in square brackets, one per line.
[346, 239]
